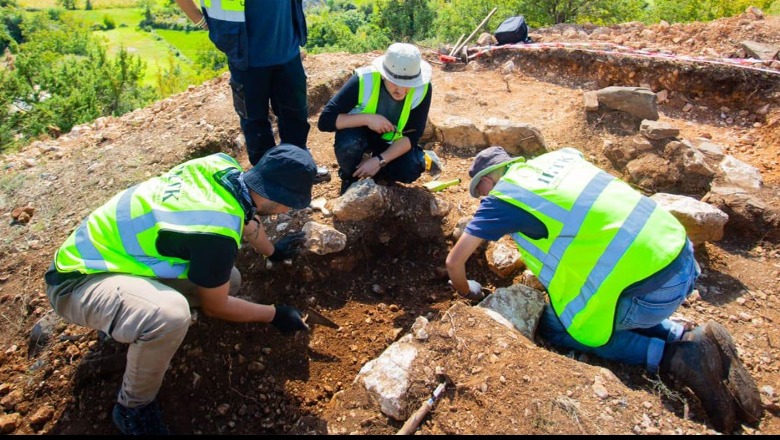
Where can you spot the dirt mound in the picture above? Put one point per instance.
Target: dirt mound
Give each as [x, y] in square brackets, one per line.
[248, 379]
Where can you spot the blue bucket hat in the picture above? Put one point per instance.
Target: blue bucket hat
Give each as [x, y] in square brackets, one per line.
[487, 161]
[284, 175]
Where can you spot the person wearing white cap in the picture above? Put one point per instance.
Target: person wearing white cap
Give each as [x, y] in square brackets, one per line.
[380, 113]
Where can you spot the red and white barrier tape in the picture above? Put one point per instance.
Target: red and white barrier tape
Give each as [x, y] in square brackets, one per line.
[614, 49]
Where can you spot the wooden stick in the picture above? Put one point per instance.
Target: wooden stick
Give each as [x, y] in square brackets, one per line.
[413, 422]
[456, 44]
[475, 30]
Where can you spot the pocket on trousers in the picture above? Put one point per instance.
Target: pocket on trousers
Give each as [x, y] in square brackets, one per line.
[645, 314]
[239, 99]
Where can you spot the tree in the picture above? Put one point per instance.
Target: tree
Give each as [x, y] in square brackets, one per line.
[67, 4]
[405, 20]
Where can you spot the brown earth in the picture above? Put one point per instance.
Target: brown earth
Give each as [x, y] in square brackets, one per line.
[248, 379]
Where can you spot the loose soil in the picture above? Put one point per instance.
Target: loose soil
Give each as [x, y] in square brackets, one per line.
[248, 379]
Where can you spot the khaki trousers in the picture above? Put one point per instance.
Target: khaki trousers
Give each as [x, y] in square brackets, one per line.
[152, 315]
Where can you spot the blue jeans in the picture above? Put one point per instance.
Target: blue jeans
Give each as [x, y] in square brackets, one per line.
[642, 327]
[352, 143]
[284, 86]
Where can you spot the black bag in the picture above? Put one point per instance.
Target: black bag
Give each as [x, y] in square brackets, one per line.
[513, 30]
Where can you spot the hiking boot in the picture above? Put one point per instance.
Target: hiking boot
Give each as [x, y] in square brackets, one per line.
[144, 420]
[345, 184]
[323, 175]
[739, 382]
[695, 362]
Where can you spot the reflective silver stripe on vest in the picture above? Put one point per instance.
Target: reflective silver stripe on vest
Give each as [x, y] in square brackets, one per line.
[620, 243]
[368, 87]
[129, 228]
[89, 253]
[572, 222]
[216, 12]
[572, 225]
[367, 73]
[419, 95]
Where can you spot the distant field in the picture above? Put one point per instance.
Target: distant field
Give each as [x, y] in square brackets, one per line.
[188, 43]
[96, 4]
[153, 48]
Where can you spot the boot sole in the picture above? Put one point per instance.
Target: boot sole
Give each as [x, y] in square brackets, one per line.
[739, 382]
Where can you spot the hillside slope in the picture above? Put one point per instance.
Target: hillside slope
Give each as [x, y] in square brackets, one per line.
[247, 379]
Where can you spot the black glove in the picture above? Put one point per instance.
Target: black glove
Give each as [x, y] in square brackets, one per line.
[287, 247]
[288, 320]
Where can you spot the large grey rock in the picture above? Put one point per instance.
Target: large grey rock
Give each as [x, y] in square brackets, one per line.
[657, 130]
[461, 134]
[702, 222]
[736, 172]
[637, 101]
[322, 239]
[760, 51]
[517, 138]
[387, 378]
[521, 305]
[363, 200]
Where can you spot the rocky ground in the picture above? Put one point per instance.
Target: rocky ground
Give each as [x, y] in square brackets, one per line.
[248, 379]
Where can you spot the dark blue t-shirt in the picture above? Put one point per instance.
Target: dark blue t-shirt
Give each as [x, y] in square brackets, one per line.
[272, 38]
[496, 218]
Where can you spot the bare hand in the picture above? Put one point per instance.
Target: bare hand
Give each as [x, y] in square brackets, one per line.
[380, 124]
[368, 168]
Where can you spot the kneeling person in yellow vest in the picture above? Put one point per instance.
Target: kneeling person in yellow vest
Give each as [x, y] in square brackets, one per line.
[615, 266]
[379, 116]
[136, 264]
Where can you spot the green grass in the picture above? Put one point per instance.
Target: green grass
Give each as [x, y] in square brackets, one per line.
[153, 48]
[96, 4]
[189, 44]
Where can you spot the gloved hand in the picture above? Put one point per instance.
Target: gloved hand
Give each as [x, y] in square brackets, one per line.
[288, 320]
[475, 291]
[287, 247]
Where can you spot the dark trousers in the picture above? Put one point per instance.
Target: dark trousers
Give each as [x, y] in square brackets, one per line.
[352, 143]
[284, 85]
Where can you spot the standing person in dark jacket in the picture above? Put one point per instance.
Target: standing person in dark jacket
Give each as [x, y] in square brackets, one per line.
[381, 112]
[262, 40]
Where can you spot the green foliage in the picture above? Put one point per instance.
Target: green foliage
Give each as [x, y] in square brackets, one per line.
[405, 20]
[67, 4]
[62, 77]
[460, 17]
[108, 22]
[88, 5]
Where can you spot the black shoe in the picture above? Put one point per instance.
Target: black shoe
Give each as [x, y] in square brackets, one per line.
[740, 383]
[323, 175]
[695, 362]
[345, 184]
[144, 420]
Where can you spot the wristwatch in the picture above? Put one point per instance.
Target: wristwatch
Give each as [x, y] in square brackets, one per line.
[382, 161]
